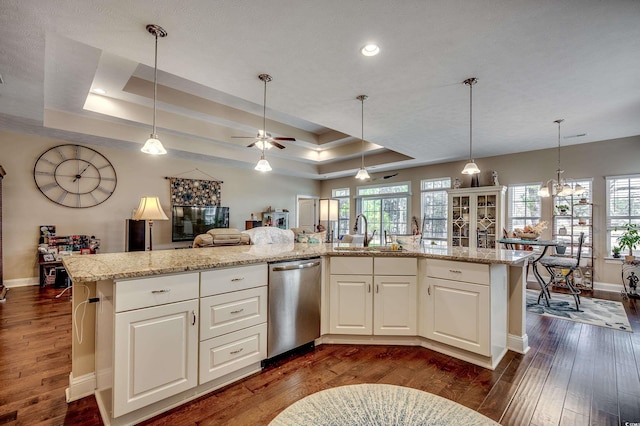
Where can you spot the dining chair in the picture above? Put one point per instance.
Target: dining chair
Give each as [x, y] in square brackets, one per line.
[561, 269]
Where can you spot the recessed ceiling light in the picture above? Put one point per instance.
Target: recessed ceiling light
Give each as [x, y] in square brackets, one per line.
[99, 91]
[370, 50]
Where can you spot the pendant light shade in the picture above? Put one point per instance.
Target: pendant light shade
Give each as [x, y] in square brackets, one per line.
[362, 172]
[470, 168]
[153, 145]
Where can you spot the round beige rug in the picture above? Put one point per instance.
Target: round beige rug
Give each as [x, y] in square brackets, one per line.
[377, 404]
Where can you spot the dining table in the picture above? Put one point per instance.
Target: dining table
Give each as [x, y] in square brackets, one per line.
[544, 244]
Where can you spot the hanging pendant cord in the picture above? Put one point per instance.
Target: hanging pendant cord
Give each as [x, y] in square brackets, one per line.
[264, 110]
[470, 120]
[155, 85]
[362, 132]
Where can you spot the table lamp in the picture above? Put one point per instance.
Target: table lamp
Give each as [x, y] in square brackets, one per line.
[329, 211]
[150, 209]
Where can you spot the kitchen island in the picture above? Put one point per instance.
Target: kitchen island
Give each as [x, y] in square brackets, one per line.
[436, 282]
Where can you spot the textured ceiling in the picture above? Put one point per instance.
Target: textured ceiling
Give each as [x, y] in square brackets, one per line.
[536, 61]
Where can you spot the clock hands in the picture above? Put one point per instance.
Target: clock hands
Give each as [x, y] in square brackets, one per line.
[78, 176]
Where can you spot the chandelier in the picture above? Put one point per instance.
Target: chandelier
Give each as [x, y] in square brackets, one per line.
[559, 186]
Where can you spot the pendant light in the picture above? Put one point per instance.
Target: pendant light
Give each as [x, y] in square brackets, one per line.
[263, 165]
[362, 173]
[153, 145]
[470, 168]
[560, 186]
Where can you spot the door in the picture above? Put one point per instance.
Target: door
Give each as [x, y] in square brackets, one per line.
[458, 314]
[155, 354]
[307, 214]
[351, 304]
[395, 305]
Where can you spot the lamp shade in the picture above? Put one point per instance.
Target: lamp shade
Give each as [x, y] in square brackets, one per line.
[329, 209]
[263, 166]
[150, 209]
[362, 174]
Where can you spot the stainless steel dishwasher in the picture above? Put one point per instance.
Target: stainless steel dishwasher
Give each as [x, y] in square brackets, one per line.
[294, 305]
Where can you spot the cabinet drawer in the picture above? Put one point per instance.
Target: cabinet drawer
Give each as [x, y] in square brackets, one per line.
[146, 292]
[395, 266]
[230, 352]
[224, 280]
[351, 265]
[224, 313]
[459, 271]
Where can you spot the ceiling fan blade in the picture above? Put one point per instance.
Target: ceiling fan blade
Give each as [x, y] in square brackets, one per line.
[284, 139]
[253, 144]
[243, 137]
[277, 145]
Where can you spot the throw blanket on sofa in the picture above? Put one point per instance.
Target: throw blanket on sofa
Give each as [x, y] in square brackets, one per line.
[269, 235]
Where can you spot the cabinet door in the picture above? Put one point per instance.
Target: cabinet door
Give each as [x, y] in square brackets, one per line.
[458, 314]
[155, 354]
[351, 304]
[395, 305]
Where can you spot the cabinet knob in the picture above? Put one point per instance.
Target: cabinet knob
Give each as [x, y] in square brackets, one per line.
[369, 288]
[429, 290]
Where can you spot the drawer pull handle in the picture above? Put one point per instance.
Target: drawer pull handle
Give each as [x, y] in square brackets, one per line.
[429, 290]
[377, 288]
[237, 279]
[369, 289]
[237, 311]
[193, 318]
[455, 271]
[236, 352]
[164, 290]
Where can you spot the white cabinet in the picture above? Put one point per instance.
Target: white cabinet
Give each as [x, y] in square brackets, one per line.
[464, 305]
[373, 296]
[476, 216]
[155, 354]
[155, 340]
[233, 321]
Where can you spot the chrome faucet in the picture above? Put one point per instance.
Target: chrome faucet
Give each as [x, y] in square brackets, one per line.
[367, 240]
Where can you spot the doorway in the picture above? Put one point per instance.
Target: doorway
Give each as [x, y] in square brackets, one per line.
[307, 212]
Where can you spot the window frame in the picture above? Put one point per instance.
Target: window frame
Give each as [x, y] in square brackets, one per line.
[359, 198]
[431, 239]
[612, 233]
[343, 219]
[527, 219]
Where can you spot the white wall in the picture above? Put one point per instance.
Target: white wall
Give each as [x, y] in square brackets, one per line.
[244, 191]
[594, 160]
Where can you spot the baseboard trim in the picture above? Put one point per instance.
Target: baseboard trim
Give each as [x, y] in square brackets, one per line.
[519, 344]
[80, 387]
[616, 288]
[21, 282]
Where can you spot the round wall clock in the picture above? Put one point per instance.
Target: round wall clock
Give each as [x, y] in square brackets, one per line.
[75, 176]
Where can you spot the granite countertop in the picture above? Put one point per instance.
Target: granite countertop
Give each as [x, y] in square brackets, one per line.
[118, 266]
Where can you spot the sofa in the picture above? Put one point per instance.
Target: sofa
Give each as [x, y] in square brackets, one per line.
[221, 237]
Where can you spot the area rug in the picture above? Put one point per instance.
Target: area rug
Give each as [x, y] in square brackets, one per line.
[377, 404]
[603, 313]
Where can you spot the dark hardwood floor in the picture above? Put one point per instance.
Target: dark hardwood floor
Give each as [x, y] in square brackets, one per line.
[574, 374]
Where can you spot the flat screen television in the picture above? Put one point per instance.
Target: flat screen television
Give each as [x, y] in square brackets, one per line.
[189, 221]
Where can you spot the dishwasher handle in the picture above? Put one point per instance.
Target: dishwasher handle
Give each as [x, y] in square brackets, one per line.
[298, 266]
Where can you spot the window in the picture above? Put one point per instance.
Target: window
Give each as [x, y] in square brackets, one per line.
[342, 195]
[524, 205]
[434, 204]
[623, 205]
[386, 208]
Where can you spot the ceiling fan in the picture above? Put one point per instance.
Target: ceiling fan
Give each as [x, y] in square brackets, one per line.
[263, 140]
[384, 177]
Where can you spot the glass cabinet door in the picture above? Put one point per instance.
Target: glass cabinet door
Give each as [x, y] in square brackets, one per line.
[486, 221]
[460, 220]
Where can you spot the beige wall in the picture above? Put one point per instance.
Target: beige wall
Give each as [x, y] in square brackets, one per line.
[244, 191]
[594, 160]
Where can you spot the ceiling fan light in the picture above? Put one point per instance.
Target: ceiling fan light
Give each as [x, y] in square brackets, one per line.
[261, 145]
[263, 166]
[470, 168]
[153, 146]
[362, 174]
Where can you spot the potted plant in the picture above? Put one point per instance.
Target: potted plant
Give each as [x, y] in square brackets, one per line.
[616, 252]
[562, 208]
[630, 239]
